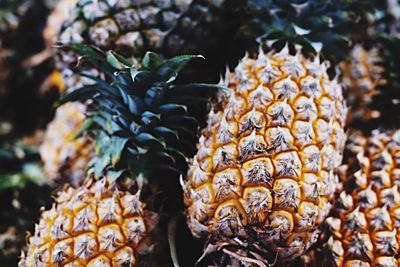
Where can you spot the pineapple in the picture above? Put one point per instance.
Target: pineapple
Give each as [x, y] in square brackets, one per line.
[167, 27]
[93, 225]
[362, 75]
[363, 228]
[65, 156]
[263, 177]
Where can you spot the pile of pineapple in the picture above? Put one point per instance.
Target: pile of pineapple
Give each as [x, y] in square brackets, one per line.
[199, 133]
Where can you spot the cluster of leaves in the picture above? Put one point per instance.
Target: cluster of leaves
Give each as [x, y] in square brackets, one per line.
[142, 121]
[329, 27]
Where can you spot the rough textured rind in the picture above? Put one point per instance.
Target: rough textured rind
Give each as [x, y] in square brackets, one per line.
[264, 174]
[94, 225]
[169, 28]
[55, 20]
[64, 156]
[363, 228]
[362, 75]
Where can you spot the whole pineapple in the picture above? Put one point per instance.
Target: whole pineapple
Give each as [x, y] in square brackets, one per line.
[66, 156]
[263, 177]
[362, 75]
[94, 225]
[363, 228]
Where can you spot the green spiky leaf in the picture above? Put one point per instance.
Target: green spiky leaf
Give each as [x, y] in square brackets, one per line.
[140, 118]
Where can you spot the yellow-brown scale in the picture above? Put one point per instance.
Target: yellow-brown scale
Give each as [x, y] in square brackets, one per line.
[94, 225]
[63, 155]
[363, 229]
[362, 75]
[264, 173]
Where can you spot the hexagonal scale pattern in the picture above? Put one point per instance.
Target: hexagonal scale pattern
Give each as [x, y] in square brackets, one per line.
[363, 229]
[63, 155]
[266, 161]
[95, 225]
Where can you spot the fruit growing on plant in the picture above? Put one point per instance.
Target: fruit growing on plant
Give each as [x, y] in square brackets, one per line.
[94, 225]
[65, 154]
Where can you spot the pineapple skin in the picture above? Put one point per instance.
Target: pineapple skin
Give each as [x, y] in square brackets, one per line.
[362, 75]
[94, 225]
[66, 157]
[60, 13]
[264, 173]
[169, 28]
[363, 227]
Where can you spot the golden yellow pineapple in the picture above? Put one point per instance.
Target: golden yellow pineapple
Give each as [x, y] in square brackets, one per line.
[63, 155]
[362, 75]
[363, 228]
[94, 225]
[264, 175]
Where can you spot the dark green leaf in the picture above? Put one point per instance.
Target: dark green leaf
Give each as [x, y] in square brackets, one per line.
[84, 93]
[113, 61]
[151, 61]
[169, 69]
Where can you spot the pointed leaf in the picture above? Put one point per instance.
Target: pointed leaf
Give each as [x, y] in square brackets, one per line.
[168, 108]
[118, 145]
[114, 61]
[151, 61]
[83, 93]
[166, 131]
[171, 67]
[146, 137]
[88, 52]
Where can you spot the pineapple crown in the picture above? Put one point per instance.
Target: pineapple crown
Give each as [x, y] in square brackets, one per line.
[142, 121]
[322, 26]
